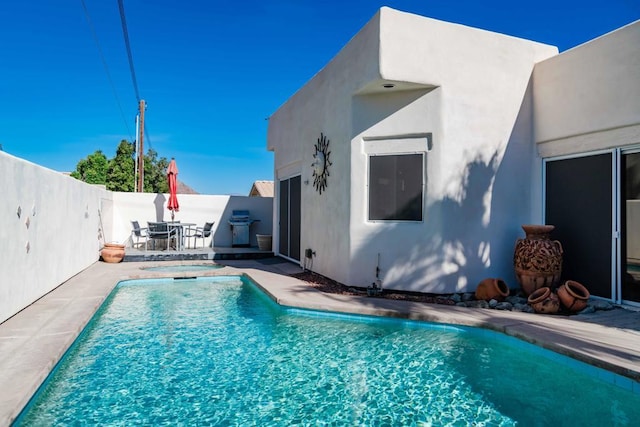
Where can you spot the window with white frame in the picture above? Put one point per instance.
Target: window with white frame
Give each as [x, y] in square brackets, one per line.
[396, 185]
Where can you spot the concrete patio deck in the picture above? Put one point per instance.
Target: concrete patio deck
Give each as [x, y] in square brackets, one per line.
[33, 341]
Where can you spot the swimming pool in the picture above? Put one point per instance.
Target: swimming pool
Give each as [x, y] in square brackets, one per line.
[218, 351]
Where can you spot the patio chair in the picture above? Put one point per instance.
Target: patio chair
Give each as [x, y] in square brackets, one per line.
[138, 233]
[161, 231]
[200, 233]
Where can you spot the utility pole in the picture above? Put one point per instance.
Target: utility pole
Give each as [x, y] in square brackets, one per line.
[141, 107]
[135, 150]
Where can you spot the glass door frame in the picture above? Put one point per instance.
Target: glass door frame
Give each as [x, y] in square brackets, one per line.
[618, 203]
[289, 207]
[615, 214]
[620, 198]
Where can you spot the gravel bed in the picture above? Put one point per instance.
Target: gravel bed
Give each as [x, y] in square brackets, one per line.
[514, 302]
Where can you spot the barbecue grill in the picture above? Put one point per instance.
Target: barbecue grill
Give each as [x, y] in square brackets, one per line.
[240, 222]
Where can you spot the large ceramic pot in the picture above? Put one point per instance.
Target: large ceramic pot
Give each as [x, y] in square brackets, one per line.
[573, 295]
[490, 289]
[264, 241]
[537, 259]
[112, 252]
[544, 301]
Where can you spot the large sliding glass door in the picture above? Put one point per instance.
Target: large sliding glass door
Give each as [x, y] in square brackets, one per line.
[630, 226]
[290, 217]
[594, 203]
[579, 204]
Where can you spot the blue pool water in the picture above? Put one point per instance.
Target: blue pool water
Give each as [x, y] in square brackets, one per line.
[216, 351]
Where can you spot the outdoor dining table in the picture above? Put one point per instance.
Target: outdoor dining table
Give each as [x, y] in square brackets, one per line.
[179, 227]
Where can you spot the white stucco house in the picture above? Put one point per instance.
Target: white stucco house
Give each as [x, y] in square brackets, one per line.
[416, 154]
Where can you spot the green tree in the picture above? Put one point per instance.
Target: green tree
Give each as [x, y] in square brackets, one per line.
[93, 169]
[120, 174]
[155, 173]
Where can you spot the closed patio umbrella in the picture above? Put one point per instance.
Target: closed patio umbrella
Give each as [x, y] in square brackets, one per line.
[172, 176]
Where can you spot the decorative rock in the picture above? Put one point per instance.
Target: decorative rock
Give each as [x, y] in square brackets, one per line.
[456, 298]
[493, 303]
[515, 300]
[468, 296]
[478, 304]
[588, 310]
[601, 305]
[504, 306]
[444, 301]
[461, 304]
[521, 307]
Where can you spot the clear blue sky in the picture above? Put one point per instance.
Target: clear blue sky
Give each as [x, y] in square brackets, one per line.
[211, 71]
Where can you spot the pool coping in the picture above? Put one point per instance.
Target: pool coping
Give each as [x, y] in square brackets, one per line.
[33, 341]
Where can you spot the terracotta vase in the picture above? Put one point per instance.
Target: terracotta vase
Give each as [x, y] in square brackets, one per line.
[544, 301]
[573, 295]
[537, 259]
[112, 252]
[490, 289]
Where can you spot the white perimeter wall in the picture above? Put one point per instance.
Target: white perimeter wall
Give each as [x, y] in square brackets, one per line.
[197, 209]
[588, 98]
[63, 223]
[56, 235]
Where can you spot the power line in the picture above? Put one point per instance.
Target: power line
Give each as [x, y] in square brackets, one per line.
[128, 45]
[106, 67]
[125, 32]
[141, 103]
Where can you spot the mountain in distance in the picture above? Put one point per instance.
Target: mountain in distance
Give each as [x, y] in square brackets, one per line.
[185, 189]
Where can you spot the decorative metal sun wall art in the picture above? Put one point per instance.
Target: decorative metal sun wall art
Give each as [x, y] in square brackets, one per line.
[321, 163]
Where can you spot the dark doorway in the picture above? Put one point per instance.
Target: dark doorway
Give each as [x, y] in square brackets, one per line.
[579, 204]
[290, 217]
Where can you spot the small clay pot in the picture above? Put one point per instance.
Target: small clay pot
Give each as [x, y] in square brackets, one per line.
[544, 301]
[491, 288]
[573, 295]
[112, 252]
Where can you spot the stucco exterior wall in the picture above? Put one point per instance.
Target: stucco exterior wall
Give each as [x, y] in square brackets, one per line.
[463, 92]
[194, 208]
[479, 167]
[588, 98]
[50, 231]
[323, 106]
